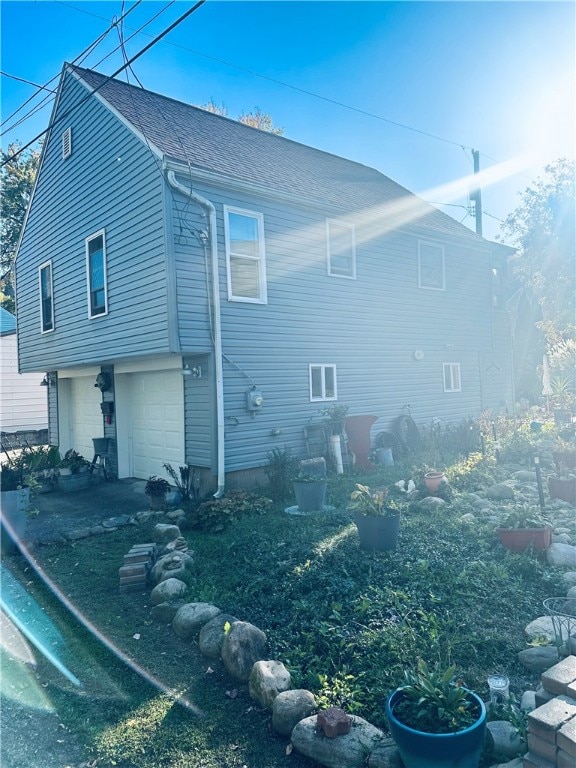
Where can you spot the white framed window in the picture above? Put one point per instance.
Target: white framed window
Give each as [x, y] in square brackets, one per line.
[451, 373]
[431, 274]
[96, 274]
[245, 256]
[322, 382]
[341, 249]
[46, 297]
[66, 143]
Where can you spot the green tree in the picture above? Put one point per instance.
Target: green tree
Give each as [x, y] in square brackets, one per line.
[256, 119]
[543, 228]
[16, 182]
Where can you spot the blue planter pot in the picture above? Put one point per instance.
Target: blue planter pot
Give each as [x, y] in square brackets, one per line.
[437, 750]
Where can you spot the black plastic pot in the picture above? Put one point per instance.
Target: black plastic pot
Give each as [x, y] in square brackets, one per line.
[377, 532]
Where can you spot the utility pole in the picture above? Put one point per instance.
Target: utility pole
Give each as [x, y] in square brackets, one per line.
[476, 194]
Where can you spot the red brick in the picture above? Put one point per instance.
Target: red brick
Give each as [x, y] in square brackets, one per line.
[333, 722]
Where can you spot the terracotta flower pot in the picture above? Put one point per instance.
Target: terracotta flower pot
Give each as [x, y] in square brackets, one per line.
[521, 539]
[432, 480]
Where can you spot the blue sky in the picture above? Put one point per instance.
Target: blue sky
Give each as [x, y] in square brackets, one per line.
[498, 77]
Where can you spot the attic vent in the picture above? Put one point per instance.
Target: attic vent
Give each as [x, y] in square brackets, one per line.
[66, 143]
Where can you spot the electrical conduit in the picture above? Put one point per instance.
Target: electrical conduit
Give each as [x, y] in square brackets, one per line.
[211, 211]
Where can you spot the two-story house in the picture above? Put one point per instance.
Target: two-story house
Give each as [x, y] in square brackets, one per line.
[225, 284]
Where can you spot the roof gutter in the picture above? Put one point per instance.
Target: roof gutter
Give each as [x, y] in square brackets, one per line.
[207, 206]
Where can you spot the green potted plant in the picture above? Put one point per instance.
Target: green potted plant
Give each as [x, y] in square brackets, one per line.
[377, 518]
[73, 472]
[310, 491]
[435, 720]
[14, 503]
[156, 489]
[564, 454]
[525, 527]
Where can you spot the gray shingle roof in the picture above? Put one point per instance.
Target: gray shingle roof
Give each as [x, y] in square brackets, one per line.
[217, 144]
[7, 322]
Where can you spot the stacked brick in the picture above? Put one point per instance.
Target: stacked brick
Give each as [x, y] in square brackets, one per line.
[552, 725]
[134, 573]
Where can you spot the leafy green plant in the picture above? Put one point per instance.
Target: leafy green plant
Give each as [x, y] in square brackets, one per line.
[306, 477]
[336, 417]
[156, 486]
[280, 468]
[186, 481]
[215, 515]
[510, 712]
[74, 461]
[525, 516]
[435, 701]
[11, 478]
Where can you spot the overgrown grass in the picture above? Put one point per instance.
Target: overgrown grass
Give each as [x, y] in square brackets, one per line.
[345, 622]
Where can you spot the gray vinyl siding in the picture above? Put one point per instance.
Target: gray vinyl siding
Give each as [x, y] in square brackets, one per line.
[112, 182]
[368, 327]
[199, 414]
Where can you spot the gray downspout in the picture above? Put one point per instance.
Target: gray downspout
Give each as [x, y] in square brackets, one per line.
[209, 208]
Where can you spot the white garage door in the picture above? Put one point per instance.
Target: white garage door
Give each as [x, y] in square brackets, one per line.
[85, 415]
[157, 400]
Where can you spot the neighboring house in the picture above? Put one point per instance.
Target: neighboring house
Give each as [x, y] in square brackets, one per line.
[203, 265]
[23, 401]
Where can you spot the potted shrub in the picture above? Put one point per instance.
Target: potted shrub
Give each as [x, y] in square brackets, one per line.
[156, 489]
[436, 721]
[563, 486]
[310, 491]
[376, 517]
[523, 528]
[564, 455]
[73, 472]
[14, 502]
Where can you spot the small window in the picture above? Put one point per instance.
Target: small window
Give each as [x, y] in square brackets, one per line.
[322, 382]
[245, 259]
[341, 249]
[66, 143]
[431, 266]
[46, 302]
[96, 275]
[452, 377]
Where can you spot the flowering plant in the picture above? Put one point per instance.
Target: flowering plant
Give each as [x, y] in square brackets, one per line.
[374, 503]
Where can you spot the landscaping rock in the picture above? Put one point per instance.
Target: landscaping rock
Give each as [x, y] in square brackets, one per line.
[79, 533]
[243, 646]
[506, 741]
[289, 707]
[191, 617]
[518, 762]
[165, 612]
[168, 590]
[538, 659]
[569, 578]
[528, 701]
[499, 492]
[541, 627]
[117, 522]
[171, 566]
[561, 538]
[164, 532]
[561, 555]
[525, 476]
[385, 755]
[350, 750]
[468, 518]
[571, 593]
[431, 503]
[268, 679]
[212, 635]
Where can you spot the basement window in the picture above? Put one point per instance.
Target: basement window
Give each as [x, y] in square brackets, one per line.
[322, 382]
[66, 143]
[452, 382]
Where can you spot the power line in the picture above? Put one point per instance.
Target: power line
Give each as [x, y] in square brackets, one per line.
[303, 90]
[28, 82]
[81, 56]
[159, 37]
